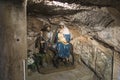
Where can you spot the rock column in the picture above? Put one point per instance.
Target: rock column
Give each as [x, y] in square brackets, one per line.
[13, 43]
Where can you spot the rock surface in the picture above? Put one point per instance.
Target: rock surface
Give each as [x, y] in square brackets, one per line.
[80, 73]
[95, 32]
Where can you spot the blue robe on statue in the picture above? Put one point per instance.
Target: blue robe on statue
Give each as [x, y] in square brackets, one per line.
[63, 50]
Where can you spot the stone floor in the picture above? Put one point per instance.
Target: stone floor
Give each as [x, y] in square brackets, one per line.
[80, 72]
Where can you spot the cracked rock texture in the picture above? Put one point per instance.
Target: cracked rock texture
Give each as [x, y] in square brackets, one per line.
[95, 30]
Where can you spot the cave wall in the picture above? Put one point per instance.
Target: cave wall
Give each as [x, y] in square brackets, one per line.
[88, 51]
[95, 36]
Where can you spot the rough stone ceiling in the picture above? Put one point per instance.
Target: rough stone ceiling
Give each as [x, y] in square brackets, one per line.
[93, 2]
[88, 15]
[66, 7]
[54, 8]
